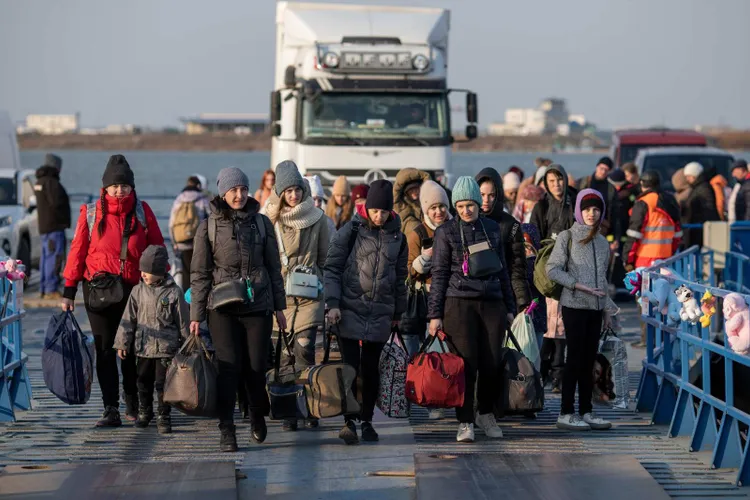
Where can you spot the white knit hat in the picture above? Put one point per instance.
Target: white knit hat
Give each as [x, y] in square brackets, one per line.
[316, 186]
[693, 169]
[431, 193]
[511, 181]
[539, 175]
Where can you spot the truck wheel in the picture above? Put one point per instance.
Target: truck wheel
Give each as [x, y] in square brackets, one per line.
[24, 255]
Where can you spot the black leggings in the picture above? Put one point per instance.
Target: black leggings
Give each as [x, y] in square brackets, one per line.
[582, 330]
[152, 372]
[232, 336]
[104, 326]
[365, 361]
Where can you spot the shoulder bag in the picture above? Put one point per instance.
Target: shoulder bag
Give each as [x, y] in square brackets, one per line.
[301, 281]
[480, 259]
[105, 289]
[285, 391]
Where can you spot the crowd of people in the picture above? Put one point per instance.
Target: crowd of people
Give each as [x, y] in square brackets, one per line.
[473, 249]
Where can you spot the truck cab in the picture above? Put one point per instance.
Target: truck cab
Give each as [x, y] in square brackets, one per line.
[361, 91]
[627, 143]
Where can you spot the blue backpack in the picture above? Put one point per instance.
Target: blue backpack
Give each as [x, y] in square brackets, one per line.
[68, 360]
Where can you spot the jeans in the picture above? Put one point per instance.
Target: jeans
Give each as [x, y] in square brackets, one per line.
[53, 254]
[152, 372]
[365, 361]
[582, 330]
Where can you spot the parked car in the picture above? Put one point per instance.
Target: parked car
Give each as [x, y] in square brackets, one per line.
[667, 161]
[627, 143]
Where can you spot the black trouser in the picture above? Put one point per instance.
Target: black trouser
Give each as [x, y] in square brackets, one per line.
[151, 375]
[187, 257]
[553, 359]
[365, 361]
[582, 330]
[477, 329]
[232, 336]
[104, 326]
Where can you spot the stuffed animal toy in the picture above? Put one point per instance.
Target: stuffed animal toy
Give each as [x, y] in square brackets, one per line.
[10, 267]
[708, 306]
[632, 283]
[690, 312]
[737, 322]
[665, 301]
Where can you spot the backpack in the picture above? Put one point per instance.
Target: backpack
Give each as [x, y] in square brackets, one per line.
[542, 282]
[140, 215]
[185, 222]
[523, 391]
[68, 360]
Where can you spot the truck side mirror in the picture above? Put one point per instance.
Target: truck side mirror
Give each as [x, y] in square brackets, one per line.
[275, 106]
[275, 129]
[471, 132]
[290, 77]
[471, 108]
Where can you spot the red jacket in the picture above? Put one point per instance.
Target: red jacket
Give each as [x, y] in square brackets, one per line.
[89, 255]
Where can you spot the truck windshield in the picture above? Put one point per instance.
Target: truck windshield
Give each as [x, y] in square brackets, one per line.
[8, 191]
[667, 165]
[421, 119]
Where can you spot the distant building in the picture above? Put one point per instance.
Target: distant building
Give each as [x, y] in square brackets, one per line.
[238, 123]
[550, 118]
[555, 113]
[52, 124]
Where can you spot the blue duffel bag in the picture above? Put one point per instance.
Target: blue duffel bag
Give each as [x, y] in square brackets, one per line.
[68, 360]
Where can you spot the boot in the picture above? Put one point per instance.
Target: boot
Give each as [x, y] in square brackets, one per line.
[131, 407]
[110, 418]
[289, 425]
[368, 432]
[164, 424]
[145, 415]
[228, 441]
[258, 429]
[348, 433]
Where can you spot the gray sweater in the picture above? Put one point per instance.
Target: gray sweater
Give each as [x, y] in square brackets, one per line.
[586, 264]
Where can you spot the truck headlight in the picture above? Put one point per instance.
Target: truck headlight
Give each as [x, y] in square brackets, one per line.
[6, 221]
[420, 62]
[330, 59]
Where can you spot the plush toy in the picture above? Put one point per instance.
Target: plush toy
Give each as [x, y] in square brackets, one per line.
[708, 306]
[632, 283]
[690, 312]
[665, 301]
[737, 322]
[10, 267]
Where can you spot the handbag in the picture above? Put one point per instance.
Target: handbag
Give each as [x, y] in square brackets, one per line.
[436, 379]
[394, 359]
[285, 392]
[105, 289]
[301, 281]
[480, 259]
[414, 318]
[233, 292]
[191, 381]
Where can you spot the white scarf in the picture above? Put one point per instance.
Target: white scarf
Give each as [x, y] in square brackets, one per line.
[431, 225]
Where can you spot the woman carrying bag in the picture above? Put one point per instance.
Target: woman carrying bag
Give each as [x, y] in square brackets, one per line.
[236, 281]
[579, 262]
[472, 300]
[365, 284]
[110, 237]
[302, 235]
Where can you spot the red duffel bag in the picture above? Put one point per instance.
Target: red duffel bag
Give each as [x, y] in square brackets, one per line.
[436, 379]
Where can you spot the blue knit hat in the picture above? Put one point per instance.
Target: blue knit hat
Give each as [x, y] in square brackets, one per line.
[466, 188]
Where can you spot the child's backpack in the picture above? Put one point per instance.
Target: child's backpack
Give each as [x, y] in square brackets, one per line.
[542, 282]
[68, 360]
[185, 223]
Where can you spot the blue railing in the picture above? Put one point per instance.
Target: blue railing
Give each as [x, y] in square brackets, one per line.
[677, 355]
[15, 389]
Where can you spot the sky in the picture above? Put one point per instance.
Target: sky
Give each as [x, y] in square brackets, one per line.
[149, 62]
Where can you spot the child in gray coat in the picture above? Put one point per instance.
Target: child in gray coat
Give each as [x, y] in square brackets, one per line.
[154, 321]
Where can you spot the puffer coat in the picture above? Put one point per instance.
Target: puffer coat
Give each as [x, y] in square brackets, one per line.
[368, 285]
[154, 321]
[240, 250]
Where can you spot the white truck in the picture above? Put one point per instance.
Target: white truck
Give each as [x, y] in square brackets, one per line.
[362, 91]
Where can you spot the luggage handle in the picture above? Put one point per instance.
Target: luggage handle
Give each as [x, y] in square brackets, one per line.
[513, 339]
[193, 342]
[606, 333]
[79, 332]
[277, 354]
[396, 333]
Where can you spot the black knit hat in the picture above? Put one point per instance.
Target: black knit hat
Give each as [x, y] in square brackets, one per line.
[606, 160]
[592, 200]
[154, 260]
[53, 161]
[118, 172]
[380, 195]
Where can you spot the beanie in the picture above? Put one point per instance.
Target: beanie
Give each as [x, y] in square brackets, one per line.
[359, 192]
[511, 181]
[154, 260]
[53, 161]
[591, 200]
[606, 160]
[118, 172]
[617, 177]
[341, 187]
[380, 195]
[588, 198]
[740, 164]
[539, 175]
[466, 189]
[287, 175]
[316, 187]
[517, 170]
[693, 169]
[229, 178]
[432, 193]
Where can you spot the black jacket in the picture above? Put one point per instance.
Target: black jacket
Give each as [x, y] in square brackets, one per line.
[448, 279]
[512, 238]
[550, 216]
[742, 203]
[52, 203]
[700, 207]
[625, 200]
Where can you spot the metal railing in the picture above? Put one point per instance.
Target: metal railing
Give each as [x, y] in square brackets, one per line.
[15, 389]
[678, 356]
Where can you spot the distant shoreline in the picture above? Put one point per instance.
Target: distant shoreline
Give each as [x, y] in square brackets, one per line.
[233, 142]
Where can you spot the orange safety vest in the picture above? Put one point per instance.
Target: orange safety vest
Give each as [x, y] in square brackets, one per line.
[658, 234]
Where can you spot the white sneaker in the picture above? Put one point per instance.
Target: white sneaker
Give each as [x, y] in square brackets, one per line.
[465, 433]
[488, 424]
[597, 423]
[572, 422]
[436, 413]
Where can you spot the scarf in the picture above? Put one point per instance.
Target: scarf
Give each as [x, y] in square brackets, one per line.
[431, 225]
[303, 215]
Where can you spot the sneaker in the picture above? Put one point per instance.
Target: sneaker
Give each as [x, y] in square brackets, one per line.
[164, 424]
[145, 415]
[488, 424]
[368, 432]
[596, 423]
[289, 425]
[436, 414]
[311, 423]
[228, 441]
[131, 408]
[110, 418]
[348, 433]
[572, 422]
[465, 433]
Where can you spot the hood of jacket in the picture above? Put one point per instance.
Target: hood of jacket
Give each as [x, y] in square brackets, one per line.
[490, 174]
[559, 169]
[581, 195]
[393, 222]
[220, 208]
[47, 172]
[404, 207]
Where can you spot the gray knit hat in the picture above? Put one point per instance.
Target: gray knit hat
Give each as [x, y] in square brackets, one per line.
[230, 177]
[154, 260]
[287, 175]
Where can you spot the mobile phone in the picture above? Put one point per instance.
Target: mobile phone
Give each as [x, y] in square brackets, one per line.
[426, 243]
